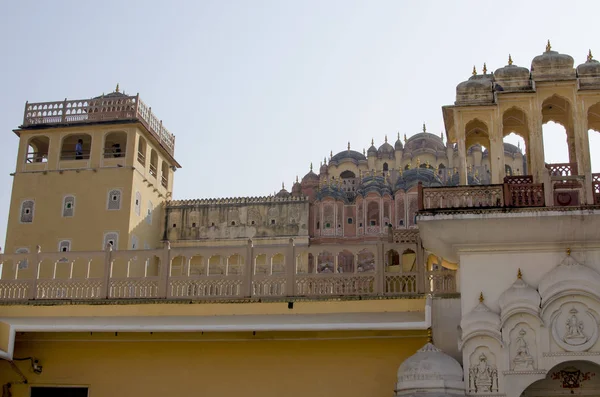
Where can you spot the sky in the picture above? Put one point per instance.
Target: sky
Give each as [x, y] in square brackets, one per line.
[257, 90]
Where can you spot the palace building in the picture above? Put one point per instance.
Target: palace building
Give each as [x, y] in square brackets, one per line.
[444, 265]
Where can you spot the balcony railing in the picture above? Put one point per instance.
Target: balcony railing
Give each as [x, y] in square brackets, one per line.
[596, 188]
[129, 275]
[153, 170]
[109, 108]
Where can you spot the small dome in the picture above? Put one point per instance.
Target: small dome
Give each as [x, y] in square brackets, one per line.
[398, 144]
[476, 90]
[310, 177]
[552, 65]
[589, 73]
[430, 372]
[512, 78]
[348, 155]
[373, 184]
[512, 149]
[568, 277]
[283, 193]
[480, 319]
[324, 168]
[520, 297]
[296, 188]
[372, 151]
[424, 142]
[332, 190]
[412, 177]
[386, 148]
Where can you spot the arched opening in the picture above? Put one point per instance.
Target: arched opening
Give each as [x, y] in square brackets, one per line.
[302, 263]
[385, 167]
[392, 262]
[278, 264]
[115, 144]
[557, 127]
[594, 136]
[373, 213]
[164, 174]
[409, 261]
[516, 141]
[477, 142]
[260, 264]
[366, 261]
[177, 266]
[235, 264]
[349, 182]
[76, 147]
[141, 151]
[216, 265]
[153, 162]
[197, 267]
[325, 262]
[37, 149]
[567, 379]
[345, 262]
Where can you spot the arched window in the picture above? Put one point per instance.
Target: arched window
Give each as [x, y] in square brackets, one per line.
[68, 209]
[164, 174]
[366, 261]
[153, 162]
[141, 151]
[76, 147]
[37, 149]
[508, 170]
[325, 262]
[278, 264]
[115, 144]
[392, 261]
[385, 166]
[64, 246]
[111, 238]
[345, 262]
[114, 200]
[27, 208]
[373, 213]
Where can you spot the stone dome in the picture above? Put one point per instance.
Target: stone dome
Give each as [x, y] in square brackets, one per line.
[520, 297]
[373, 184]
[412, 177]
[589, 73]
[423, 142]
[348, 155]
[398, 144]
[568, 278]
[372, 151]
[512, 78]
[324, 168]
[386, 148]
[476, 90]
[332, 190]
[296, 188]
[310, 177]
[552, 65]
[282, 193]
[430, 372]
[480, 320]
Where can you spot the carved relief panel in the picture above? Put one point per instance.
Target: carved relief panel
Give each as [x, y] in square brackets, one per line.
[482, 372]
[574, 327]
[523, 348]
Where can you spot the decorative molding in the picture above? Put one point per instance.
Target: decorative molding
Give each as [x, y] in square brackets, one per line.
[573, 353]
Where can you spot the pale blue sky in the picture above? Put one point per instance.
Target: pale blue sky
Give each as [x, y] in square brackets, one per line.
[276, 83]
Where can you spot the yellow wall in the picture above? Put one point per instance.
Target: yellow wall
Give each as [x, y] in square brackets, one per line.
[90, 180]
[276, 364]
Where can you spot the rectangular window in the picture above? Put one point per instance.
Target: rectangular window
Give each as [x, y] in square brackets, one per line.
[37, 391]
[138, 203]
[68, 209]
[27, 207]
[114, 199]
[149, 213]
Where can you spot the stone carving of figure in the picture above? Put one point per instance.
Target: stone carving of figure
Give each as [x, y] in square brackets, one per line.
[483, 377]
[523, 360]
[574, 334]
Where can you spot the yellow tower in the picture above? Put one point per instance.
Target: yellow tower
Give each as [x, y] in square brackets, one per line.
[90, 172]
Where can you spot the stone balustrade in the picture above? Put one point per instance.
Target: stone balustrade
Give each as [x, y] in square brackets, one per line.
[100, 109]
[140, 274]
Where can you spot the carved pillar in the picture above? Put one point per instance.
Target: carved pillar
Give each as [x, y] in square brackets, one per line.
[536, 145]
[290, 268]
[581, 137]
[247, 284]
[497, 167]
[462, 150]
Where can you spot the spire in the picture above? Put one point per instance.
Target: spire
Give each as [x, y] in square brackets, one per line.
[398, 135]
[519, 274]
[481, 297]
[510, 62]
[311, 166]
[364, 152]
[405, 138]
[484, 68]
[348, 145]
[372, 142]
[548, 46]
[424, 128]
[282, 186]
[330, 154]
[590, 57]
[474, 72]
[385, 138]
[296, 178]
[442, 136]
[117, 89]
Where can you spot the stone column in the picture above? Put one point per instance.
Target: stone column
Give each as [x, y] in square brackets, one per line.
[462, 150]
[536, 144]
[581, 136]
[496, 152]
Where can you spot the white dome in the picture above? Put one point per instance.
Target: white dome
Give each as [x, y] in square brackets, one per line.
[567, 278]
[480, 320]
[430, 372]
[520, 297]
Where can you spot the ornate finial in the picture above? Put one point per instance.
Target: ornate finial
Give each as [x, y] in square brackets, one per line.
[405, 138]
[296, 178]
[548, 46]
[409, 165]
[481, 297]
[330, 154]
[348, 145]
[400, 171]
[418, 162]
[437, 169]
[311, 166]
[474, 73]
[364, 152]
[282, 185]
[519, 274]
[424, 128]
[568, 251]
[590, 56]
[442, 136]
[429, 336]
[455, 170]
[398, 135]
[510, 62]
[360, 174]
[385, 138]
[372, 142]
[484, 68]
[117, 89]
